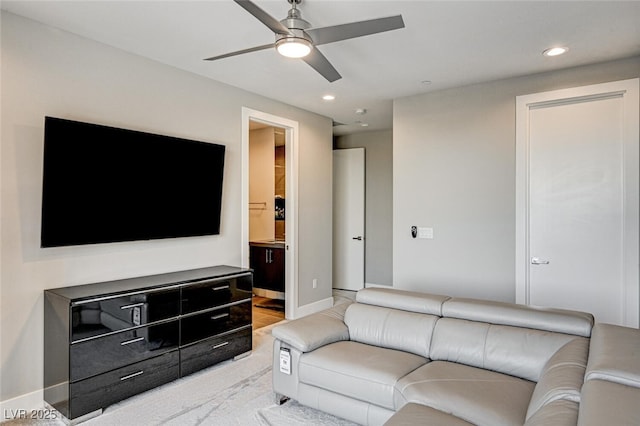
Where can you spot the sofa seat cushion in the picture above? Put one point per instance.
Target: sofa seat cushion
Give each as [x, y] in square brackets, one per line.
[364, 372]
[416, 414]
[473, 394]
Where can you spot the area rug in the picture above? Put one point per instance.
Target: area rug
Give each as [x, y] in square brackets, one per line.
[230, 393]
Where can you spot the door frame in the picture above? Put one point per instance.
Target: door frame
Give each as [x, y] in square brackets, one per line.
[628, 90]
[291, 129]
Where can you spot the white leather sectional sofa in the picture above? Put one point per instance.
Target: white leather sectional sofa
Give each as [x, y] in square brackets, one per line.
[404, 358]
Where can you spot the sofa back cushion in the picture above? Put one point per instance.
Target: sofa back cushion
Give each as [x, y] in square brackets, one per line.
[517, 351]
[390, 328]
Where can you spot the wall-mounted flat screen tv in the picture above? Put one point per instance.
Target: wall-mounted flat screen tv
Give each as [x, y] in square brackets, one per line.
[103, 184]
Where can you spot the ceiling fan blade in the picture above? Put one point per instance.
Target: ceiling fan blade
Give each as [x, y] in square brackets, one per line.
[320, 63]
[335, 33]
[263, 17]
[240, 52]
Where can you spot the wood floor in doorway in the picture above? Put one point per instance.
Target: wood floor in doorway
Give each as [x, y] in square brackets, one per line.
[263, 317]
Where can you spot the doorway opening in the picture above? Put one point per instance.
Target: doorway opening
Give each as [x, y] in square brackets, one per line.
[269, 199]
[267, 220]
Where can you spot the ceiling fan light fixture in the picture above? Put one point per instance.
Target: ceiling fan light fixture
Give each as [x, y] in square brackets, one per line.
[294, 47]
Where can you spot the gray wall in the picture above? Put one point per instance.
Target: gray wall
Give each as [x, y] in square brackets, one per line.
[454, 170]
[50, 72]
[379, 202]
[315, 214]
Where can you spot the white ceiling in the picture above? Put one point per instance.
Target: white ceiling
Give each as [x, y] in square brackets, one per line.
[449, 43]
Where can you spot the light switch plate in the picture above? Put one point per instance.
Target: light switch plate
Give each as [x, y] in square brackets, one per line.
[426, 233]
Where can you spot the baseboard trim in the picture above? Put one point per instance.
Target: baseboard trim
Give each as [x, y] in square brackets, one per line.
[312, 308]
[270, 294]
[22, 406]
[373, 285]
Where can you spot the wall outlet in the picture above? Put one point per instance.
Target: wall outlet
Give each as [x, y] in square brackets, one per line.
[315, 283]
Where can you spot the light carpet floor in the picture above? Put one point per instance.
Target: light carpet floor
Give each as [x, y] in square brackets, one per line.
[230, 393]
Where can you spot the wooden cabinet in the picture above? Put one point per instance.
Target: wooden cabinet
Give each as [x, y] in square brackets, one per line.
[105, 342]
[267, 262]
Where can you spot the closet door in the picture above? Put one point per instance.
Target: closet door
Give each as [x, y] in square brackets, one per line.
[580, 194]
[348, 218]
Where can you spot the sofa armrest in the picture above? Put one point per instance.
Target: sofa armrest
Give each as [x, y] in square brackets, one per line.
[557, 413]
[562, 376]
[609, 403]
[615, 355]
[311, 332]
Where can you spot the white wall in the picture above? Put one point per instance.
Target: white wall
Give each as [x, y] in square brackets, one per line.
[378, 147]
[454, 171]
[50, 72]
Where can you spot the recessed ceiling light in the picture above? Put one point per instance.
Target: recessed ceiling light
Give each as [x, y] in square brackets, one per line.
[364, 124]
[555, 51]
[328, 97]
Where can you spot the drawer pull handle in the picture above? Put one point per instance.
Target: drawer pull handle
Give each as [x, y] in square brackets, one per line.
[130, 376]
[128, 342]
[224, 287]
[220, 316]
[219, 345]
[135, 305]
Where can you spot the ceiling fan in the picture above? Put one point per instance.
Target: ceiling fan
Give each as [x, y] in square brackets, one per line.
[296, 39]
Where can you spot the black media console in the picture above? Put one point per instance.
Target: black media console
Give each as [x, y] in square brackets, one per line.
[108, 341]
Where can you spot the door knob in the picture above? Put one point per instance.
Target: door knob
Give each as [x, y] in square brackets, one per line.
[359, 238]
[537, 261]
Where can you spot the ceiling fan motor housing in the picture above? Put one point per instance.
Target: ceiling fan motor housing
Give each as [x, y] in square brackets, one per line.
[295, 34]
[296, 26]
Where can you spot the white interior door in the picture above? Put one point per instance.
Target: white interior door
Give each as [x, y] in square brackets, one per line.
[581, 248]
[348, 218]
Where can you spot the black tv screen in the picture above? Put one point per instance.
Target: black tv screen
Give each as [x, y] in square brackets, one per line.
[103, 184]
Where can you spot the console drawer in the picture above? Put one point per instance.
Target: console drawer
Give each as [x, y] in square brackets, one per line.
[100, 316]
[211, 351]
[100, 391]
[211, 293]
[106, 353]
[210, 323]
